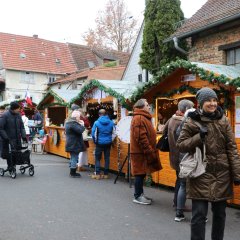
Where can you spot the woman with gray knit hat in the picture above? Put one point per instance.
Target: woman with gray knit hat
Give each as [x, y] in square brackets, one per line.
[223, 163]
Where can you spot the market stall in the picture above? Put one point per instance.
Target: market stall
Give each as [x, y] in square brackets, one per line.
[54, 106]
[181, 80]
[110, 95]
[27, 108]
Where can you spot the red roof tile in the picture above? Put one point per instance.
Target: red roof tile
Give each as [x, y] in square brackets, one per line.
[213, 11]
[102, 73]
[35, 54]
[84, 54]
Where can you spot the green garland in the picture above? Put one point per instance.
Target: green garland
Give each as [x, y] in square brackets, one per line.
[193, 68]
[192, 90]
[110, 91]
[60, 101]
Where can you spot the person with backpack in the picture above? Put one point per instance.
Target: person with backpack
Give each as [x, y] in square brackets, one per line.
[174, 155]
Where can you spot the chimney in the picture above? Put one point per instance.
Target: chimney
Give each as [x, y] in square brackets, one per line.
[35, 36]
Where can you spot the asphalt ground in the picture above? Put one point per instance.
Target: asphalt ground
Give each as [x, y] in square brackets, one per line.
[51, 205]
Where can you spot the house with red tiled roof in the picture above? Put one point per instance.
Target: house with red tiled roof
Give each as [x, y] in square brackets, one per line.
[76, 80]
[31, 63]
[213, 33]
[85, 57]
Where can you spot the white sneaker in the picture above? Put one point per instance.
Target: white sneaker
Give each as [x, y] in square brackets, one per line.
[142, 200]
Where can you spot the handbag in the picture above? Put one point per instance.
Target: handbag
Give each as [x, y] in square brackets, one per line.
[193, 164]
[163, 144]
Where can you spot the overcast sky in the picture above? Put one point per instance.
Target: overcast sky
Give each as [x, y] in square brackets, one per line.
[65, 20]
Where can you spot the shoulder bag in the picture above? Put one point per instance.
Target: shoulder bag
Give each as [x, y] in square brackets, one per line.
[193, 164]
[163, 144]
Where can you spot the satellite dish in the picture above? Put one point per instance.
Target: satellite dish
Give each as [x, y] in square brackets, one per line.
[123, 129]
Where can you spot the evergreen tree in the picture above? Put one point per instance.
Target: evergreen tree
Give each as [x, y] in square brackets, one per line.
[161, 17]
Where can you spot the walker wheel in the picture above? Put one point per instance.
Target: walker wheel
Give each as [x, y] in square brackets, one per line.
[1, 172]
[31, 171]
[13, 173]
[22, 169]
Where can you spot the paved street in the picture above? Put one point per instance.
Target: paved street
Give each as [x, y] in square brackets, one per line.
[51, 205]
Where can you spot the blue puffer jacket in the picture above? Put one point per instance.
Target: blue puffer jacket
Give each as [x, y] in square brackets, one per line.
[102, 130]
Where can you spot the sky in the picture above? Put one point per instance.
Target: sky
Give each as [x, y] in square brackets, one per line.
[66, 20]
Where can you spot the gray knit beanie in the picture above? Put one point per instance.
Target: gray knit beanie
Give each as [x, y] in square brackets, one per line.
[74, 107]
[205, 94]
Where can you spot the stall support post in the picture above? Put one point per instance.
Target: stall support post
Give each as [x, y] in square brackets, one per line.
[127, 158]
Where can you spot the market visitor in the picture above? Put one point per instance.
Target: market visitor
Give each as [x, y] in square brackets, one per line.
[83, 156]
[174, 155]
[25, 123]
[74, 128]
[12, 132]
[223, 164]
[102, 132]
[144, 155]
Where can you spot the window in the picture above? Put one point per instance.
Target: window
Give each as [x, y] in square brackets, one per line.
[233, 57]
[51, 78]
[140, 77]
[27, 77]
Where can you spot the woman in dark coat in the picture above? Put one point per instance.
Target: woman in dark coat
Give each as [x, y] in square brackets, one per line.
[223, 164]
[74, 140]
[144, 155]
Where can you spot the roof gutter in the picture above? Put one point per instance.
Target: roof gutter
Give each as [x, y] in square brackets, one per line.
[175, 40]
[201, 29]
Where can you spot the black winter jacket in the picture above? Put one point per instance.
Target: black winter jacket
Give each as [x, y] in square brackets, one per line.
[11, 130]
[74, 139]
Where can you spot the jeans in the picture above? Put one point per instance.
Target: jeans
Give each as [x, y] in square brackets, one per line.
[73, 159]
[176, 189]
[98, 155]
[138, 185]
[181, 197]
[198, 221]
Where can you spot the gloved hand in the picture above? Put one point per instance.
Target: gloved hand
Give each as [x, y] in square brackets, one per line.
[236, 182]
[203, 132]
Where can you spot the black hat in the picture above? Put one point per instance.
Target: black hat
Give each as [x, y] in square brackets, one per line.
[204, 94]
[14, 105]
[74, 107]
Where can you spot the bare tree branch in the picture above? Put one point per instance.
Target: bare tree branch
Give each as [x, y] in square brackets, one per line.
[115, 28]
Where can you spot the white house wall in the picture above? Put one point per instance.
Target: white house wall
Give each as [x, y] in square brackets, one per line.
[15, 87]
[133, 69]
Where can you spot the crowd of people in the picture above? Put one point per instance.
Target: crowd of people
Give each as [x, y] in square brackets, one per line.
[214, 186]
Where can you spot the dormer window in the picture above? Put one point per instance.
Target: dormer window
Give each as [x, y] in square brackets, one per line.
[51, 78]
[22, 55]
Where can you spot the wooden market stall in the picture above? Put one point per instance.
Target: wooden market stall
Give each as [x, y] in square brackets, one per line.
[28, 109]
[55, 108]
[181, 80]
[109, 95]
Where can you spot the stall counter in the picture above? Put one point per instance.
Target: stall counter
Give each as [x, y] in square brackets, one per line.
[56, 141]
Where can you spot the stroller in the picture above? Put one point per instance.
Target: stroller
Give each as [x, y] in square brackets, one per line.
[19, 157]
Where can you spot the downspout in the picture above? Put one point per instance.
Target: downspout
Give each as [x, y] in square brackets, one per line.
[175, 40]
